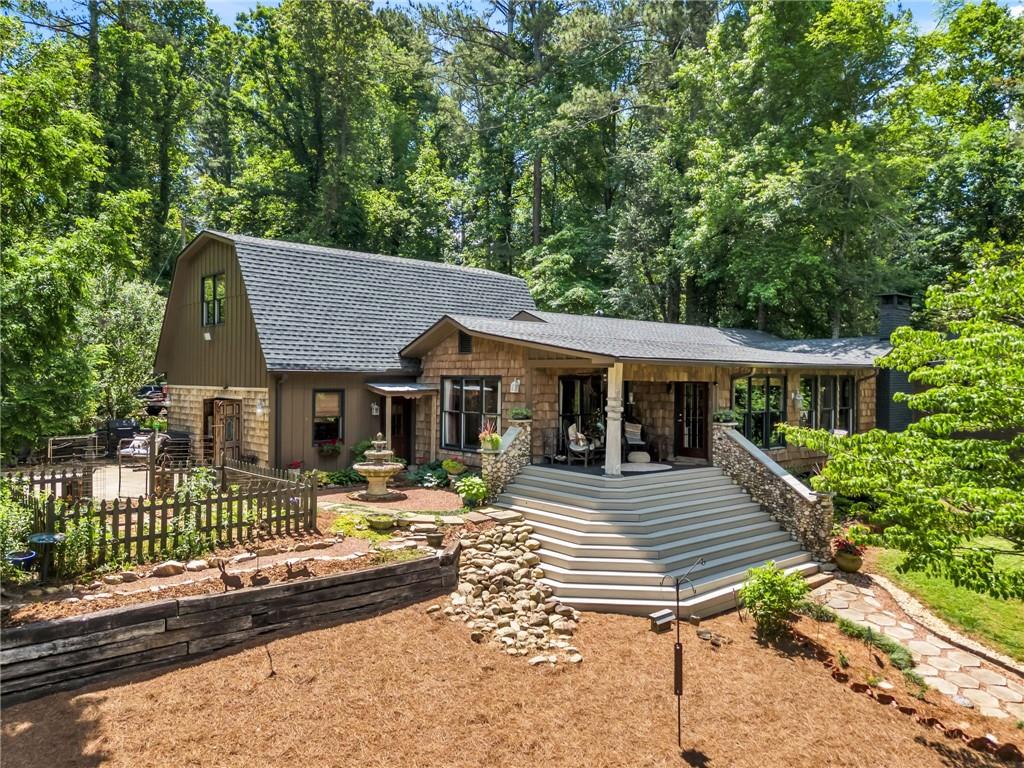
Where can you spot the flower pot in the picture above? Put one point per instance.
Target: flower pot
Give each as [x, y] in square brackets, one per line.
[22, 560]
[380, 522]
[436, 539]
[847, 562]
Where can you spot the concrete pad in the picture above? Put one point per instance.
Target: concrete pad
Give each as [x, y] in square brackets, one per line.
[452, 519]
[938, 642]
[1003, 693]
[881, 619]
[964, 659]
[926, 670]
[944, 664]
[962, 681]
[941, 685]
[897, 633]
[504, 515]
[921, 648]
[981, 698]
[476, 517]
[985, 675]
[838, 603]
[993, 712]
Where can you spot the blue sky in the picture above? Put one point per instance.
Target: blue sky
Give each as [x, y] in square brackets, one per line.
[925, 12]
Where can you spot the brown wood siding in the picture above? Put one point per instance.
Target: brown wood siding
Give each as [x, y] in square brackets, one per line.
[233, 357]
[296, 440]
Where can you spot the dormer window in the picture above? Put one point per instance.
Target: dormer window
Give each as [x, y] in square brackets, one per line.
[212, 296]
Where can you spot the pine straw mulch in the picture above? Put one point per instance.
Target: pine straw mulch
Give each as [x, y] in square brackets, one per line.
[408, 689]
[272, 574]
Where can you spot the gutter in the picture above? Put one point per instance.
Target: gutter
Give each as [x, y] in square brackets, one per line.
[278, 379]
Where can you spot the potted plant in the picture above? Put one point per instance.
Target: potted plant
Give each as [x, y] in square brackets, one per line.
[380, 522]
[520, 414]
[453, 467]
[725, 416]
[329, 448]
[435, 539]
[295, 468]
[848, 556]
[472, 489]
[490, 440]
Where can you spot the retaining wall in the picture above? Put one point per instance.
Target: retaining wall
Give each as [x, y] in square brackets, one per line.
[45, 657]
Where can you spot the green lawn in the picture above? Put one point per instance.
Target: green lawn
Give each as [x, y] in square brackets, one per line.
[997, 623]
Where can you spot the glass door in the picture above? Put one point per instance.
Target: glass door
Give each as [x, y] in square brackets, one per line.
[691, 419]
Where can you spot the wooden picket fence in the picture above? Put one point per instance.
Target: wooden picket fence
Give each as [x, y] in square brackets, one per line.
[61, 481]
[147, 528]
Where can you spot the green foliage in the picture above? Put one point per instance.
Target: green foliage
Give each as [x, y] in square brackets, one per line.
[453, 466]
[472, 489]
[898, 655]
[431, 475]
[81, 536]
[956, 474]
[353, 524]
[347, 476]
[772, 596]
[359, 450]
[15, 527]
[522, 414]
[198, 484]
[725, 416]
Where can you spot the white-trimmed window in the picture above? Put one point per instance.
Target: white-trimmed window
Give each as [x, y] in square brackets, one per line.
[467, 403]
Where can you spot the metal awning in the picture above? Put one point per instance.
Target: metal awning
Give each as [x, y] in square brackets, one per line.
[402, 389]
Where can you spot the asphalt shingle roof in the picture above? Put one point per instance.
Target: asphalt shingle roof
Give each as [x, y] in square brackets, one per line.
[643, 340]
[328, 309]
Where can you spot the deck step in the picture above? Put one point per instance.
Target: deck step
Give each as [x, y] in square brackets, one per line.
[614, 544]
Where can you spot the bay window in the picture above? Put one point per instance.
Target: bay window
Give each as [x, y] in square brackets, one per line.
[467, 403]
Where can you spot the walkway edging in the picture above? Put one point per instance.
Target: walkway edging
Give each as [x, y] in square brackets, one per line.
[921, 615]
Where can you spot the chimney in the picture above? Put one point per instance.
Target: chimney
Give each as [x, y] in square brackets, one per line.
[893, 311]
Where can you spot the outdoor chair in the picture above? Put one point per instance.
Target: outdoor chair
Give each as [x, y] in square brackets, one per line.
[578, 447]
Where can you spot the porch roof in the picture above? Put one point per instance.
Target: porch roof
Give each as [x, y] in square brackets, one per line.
[402, 388]
[609, 339]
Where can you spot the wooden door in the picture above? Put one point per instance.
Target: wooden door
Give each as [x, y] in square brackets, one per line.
[227, 429]
[691, 419]
[401, 426]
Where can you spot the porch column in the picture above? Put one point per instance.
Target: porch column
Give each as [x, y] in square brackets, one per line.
[613, 425]
[387, 420]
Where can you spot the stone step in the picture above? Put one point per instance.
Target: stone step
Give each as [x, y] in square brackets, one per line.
[685, 529]
[703, 604]
[520, 503]
[723, 515]
[632, 500]
[600, 481]
[754, 550]
[673, 482]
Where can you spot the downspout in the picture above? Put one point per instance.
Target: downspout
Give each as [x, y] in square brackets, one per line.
[277, 419]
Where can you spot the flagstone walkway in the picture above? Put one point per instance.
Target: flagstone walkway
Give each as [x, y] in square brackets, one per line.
[963, 676]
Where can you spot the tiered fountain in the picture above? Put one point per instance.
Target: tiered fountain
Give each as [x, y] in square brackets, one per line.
[378, 468]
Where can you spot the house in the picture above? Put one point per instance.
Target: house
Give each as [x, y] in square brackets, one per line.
[288, 353]
[282, 352]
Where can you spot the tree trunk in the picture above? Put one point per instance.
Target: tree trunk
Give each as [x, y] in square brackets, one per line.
[537, 190]
[762, 315]
[691, 300]
[673, 295]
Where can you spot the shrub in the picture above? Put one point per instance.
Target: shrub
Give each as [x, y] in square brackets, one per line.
[347, 476]
[725, 416]
[359, 450]
[15, 527]
[472, 489]
[520, 414]
[453, 466]
[430, 475]
[200, 483]
[771, 596]
[71, 556]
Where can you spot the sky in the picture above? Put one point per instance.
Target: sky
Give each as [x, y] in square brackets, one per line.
[924, 12]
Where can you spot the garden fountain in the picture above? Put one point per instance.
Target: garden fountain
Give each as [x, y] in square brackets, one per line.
[378, 468]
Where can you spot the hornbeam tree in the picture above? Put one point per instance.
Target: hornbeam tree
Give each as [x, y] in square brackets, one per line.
[953, 482]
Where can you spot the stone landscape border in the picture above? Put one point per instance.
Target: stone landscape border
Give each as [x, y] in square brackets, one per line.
[46, 657]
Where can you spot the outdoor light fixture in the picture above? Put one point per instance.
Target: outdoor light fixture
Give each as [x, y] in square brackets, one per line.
[375, 409]
[261, 406]
[513, 386]
[207, 336]
[798, 398]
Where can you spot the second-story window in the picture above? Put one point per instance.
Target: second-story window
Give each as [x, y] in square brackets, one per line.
[212, 295]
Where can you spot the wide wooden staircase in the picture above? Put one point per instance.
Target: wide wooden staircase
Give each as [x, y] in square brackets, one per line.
[609, 543]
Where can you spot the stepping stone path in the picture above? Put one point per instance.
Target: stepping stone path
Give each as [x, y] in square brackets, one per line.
[959, 674]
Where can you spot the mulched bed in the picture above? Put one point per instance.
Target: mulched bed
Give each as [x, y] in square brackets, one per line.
[408, 689]
[46, 610]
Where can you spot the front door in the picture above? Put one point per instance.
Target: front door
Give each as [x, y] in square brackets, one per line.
[226, 429]
[691, 419]
[401, 427]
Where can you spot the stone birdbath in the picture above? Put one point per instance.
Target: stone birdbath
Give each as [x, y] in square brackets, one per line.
[378, 468]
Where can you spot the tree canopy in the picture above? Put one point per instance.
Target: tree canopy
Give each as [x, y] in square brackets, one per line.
[753, 163]
[957, 473]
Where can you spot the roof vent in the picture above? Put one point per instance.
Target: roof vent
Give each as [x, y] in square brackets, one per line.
[465, 343]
